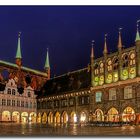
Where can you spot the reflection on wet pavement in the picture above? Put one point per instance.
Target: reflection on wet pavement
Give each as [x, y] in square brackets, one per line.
[8, 129]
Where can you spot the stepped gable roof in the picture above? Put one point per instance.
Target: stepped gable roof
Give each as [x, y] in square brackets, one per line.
[69, 82]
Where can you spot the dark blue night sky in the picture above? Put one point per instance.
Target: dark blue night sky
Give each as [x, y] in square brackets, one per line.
[66, 31]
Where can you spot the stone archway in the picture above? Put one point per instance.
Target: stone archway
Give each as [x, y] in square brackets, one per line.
[83, 117]
[50, 118]
[128, 114]
[24, 117]
[113, 115]
[39, 118]
[44, 118]
[64, 117]
[6, 116]
[57, 118]
[32, 117]
[99, 116]
[73, 117]
[16, 116]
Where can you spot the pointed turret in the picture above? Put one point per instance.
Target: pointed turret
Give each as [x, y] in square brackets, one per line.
[92, 49]
[92, 64]
[105, 46]
[137, 33]
[18, 53]
[137, 43]
[47, 65]
[120, 39]
[120, 55]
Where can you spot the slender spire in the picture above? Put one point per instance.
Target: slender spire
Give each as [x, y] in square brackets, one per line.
[47, 63]
[105, 46]
[92, 49]
[18, 53]
[120, 39]
[137, 34]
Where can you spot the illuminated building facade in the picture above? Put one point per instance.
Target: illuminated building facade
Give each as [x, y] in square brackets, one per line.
[106, 91]
[19, 86]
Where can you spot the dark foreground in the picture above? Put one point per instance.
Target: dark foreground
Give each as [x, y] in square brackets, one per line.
[7, 129]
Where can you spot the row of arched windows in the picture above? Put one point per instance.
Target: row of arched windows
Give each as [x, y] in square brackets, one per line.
[113, 64]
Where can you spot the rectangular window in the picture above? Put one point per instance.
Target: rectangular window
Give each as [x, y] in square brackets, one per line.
[56, 103]
[112, 94]
[8, 102]
[18, 103]
[71, 101]
[13, 102]
[128, 92]
[8, 91]
[98, 97]
[63, 103]
[49, 104]
[3, 102]
[26, 104]
[22, 103]
[13, 92]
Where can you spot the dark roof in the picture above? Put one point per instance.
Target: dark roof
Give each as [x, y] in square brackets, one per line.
[69, 82]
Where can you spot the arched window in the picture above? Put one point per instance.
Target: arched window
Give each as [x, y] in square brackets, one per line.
[125, 60]
[101, 67]
[109, 65]
[13, 91]
[115, 63]
[8, 91]
[132, 59]
[96, 69]
[128, 92]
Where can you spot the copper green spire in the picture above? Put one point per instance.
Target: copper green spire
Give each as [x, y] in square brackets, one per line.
[137, 34]
[47, 63]
[105, 46]
[18, 53]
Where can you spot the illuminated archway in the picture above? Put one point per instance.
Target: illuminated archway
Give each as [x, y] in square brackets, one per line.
[64, 118]
[16, 116]
[44, 118]
[32, 117]
[6, 116]
[50, 118]
[128, 114]
[24, 117]
[57, 117]
[83, 117]
[113, 115]
[39, 118]
[99, 115]
[73, 117]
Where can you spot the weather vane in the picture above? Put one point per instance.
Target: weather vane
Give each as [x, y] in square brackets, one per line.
[105, 36]
[19, 33]
[138, 23]
[92, 43]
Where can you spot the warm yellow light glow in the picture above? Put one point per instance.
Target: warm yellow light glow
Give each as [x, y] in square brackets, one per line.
[83, 117]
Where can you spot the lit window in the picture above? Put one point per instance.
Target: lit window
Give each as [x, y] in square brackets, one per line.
[109, 65]
[112, 94]
[128, 92]
[98, 96]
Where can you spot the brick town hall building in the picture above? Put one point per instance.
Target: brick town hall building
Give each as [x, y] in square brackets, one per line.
[107, 90]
